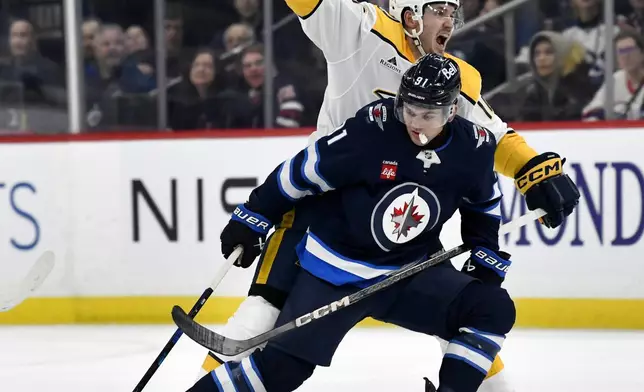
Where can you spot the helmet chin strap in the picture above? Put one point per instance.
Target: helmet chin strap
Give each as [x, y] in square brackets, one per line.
[415, 34]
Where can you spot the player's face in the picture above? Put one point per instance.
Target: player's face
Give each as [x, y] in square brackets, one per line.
[422, 121]
[544, 58]
[438, 25]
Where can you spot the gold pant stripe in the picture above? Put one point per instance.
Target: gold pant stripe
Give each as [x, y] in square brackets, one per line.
[273, 247]
[210, 363]
[497, 366]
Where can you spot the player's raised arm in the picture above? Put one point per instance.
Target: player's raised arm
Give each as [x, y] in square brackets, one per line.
[337, 27]
[332, 162]
[537, 176]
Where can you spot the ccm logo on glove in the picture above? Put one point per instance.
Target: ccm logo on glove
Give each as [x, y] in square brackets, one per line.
[255, 221]
[544, 170]
[491, 260]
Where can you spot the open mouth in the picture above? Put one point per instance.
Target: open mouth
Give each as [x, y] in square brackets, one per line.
[441, 40]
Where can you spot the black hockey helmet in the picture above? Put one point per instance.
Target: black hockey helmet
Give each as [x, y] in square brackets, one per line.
[434, 82]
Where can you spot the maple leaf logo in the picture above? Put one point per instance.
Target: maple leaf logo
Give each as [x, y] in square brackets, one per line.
[406, 218]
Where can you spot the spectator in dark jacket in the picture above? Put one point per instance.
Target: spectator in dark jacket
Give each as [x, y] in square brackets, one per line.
[560, 88]
[288, 108]
[111, 80]
[40, 80]
[197, 102]
[109, 72]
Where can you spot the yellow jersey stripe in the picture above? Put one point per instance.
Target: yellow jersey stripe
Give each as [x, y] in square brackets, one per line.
[470, 80]
[391, 31]
[273, 247]
[303, 8]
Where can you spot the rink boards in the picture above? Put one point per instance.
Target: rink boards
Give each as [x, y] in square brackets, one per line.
[134, 223]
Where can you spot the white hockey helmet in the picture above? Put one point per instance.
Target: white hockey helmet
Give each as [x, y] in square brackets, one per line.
[397, 7]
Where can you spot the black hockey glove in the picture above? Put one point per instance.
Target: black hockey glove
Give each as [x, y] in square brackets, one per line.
[487, 266]
[545, 186]
[248, 229]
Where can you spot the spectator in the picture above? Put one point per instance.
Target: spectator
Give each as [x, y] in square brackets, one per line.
[197, 102]
[589, 30]
[89, 28]
[559, 88]
[628, 81]
[635, 19]
[288, 109]
[238, 34]
[38, 80]
[110, 77]
[110, 70]
[178, 57]
[136, 40]
[236, 37]
[487, 53]
[249, 13]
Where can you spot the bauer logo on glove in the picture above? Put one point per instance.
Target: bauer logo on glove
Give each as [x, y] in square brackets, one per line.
[252, 220]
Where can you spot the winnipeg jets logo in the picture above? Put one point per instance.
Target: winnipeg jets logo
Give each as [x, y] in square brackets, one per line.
[406, 218]
[402, 214]
[481, 135]
[378, 114]
[428, 157]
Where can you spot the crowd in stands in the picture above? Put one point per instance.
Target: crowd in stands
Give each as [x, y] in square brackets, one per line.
[216, 69]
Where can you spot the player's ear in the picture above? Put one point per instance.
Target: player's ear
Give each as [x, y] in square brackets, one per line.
[408, 20]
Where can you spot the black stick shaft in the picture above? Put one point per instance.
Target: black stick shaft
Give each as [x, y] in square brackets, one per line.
[172, 342]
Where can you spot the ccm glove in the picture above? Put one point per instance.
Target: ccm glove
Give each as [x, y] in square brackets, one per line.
[545, 186]
[248, 229]
[487, 266]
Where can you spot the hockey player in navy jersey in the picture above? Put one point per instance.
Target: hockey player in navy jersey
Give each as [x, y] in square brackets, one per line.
[386, 180]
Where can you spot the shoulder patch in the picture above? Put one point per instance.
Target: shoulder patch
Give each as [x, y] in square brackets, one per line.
[470, 80]
[481, 135]
[378, 114]
[390, 31]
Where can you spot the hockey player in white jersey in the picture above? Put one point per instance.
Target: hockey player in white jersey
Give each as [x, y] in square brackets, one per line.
[367, 51]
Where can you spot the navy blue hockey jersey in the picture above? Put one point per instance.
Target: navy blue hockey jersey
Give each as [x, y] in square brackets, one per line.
[382, 199]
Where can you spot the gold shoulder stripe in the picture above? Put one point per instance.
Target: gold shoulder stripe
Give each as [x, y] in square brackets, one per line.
[470, 80]
[303, 8]
[391, 31]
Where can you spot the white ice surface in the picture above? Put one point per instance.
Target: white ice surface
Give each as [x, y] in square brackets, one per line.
[113, 358]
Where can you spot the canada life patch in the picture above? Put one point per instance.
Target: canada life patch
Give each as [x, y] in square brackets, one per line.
[388, 170]
[403, 214]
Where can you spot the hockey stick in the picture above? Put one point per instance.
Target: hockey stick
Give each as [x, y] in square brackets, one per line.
[34, 279]
[226, 346]
[193, 312]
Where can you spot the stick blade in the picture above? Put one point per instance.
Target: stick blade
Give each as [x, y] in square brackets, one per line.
[34, 279]
[39, 272]
[205, 337]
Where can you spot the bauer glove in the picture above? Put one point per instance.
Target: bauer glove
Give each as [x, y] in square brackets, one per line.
[487, 266]
[248, 229]
[545, 186]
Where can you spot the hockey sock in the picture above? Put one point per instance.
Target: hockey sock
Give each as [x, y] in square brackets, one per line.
[232, 376]
[468, 359]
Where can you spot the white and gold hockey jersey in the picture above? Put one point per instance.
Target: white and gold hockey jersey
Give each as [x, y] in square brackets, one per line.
[367, 53]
